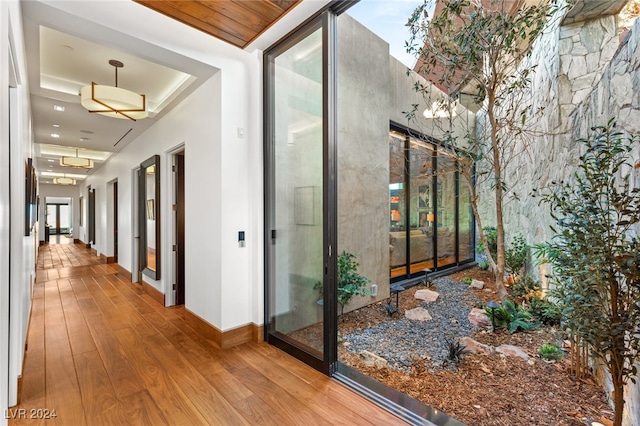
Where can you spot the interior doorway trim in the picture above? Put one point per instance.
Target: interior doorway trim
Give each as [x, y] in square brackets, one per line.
[171, 225]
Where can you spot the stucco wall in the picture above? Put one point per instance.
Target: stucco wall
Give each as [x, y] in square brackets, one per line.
[364, 109]
[373, 91]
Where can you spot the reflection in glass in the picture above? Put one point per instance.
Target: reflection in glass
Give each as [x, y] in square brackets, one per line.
[296, 281]
[446, 208]
[466, 223]
[149, 217]
[150, 178]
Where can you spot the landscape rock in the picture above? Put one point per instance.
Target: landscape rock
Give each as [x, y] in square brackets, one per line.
[477, 284]
[427, 295]
[372, 360]
[418, 314]
[475, 347]
[478, 318]
[510, 350]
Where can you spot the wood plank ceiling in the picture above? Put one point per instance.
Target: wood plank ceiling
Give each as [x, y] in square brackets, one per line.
[238, 22]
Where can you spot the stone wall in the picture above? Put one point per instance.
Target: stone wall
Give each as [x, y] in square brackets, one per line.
[585, 76]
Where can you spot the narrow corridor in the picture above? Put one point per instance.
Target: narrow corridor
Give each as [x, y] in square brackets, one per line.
[102, 351]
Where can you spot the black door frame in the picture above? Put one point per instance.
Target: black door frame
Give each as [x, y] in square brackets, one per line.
[325, 21]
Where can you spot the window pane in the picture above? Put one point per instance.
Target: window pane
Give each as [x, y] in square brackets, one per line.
[446, 208]
[297, 252]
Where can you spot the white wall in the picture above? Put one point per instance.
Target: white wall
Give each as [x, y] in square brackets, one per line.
[223, 171]
[5, 242]
[17, 252]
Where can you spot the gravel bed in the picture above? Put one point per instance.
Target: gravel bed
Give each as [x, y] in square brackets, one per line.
[403, 341]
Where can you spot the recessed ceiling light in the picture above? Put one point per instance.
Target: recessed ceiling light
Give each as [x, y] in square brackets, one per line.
[55, 135]
[58, 108]
[50, 160]
[84, 139]
[56, 125]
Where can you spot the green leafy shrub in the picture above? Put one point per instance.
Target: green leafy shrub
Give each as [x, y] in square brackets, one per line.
[596, 252]
[484, 265]
[527, 288]
[491, 233]
[516, 255]
[350, 282]
[545, 312]
[467, 280]
[549, 351]
[512, 317]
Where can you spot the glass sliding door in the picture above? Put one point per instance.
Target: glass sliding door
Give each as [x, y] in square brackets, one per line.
[58, 218]
[446, 208]
[297, 246]
[52, 218]
[64, 226]
[422, 207]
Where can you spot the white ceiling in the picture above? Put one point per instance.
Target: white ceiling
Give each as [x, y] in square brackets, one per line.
[65, 53]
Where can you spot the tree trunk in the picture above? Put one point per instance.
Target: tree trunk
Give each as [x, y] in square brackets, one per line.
[497, 167]
[618, 398]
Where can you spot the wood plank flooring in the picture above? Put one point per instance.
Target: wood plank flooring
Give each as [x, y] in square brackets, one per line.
[102, 352]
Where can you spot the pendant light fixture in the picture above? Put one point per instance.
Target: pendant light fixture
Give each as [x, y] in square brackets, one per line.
[113, 101]
[64, 180]
[77, 162]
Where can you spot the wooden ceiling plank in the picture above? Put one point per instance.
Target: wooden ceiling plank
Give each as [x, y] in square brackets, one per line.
[199, 11]
[238, 22]
[264, 8]
[293, 3]
[186, 19]
[285, 5]
[237, 13]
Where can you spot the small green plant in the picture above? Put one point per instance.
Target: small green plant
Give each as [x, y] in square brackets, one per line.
[492, 241]
[350, 282]
[527, 288]
[456, 351]
[390, 308]
[516, 255]
[501, 317]
[512, 317]
[549, 351]
[545, 311]
[467, 280]
[484, 265]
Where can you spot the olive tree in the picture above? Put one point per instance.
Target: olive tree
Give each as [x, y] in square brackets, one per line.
[596, 254]
[475, 48]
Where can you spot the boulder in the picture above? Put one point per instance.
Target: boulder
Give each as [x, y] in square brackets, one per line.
[478, 318]
[372, 360]
[427, 295]
[418, 314]
[477, 284]
[475, 347]
[510, 350]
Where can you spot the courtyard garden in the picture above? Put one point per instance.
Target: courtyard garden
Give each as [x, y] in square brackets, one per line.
[457, 364]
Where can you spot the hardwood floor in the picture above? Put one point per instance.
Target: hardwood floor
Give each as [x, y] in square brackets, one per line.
[102, 351]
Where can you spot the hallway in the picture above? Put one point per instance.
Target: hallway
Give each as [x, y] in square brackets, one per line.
[102, 351]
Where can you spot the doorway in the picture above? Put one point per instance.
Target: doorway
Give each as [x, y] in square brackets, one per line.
[115, 222]
[178, 208]
[58, 218]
